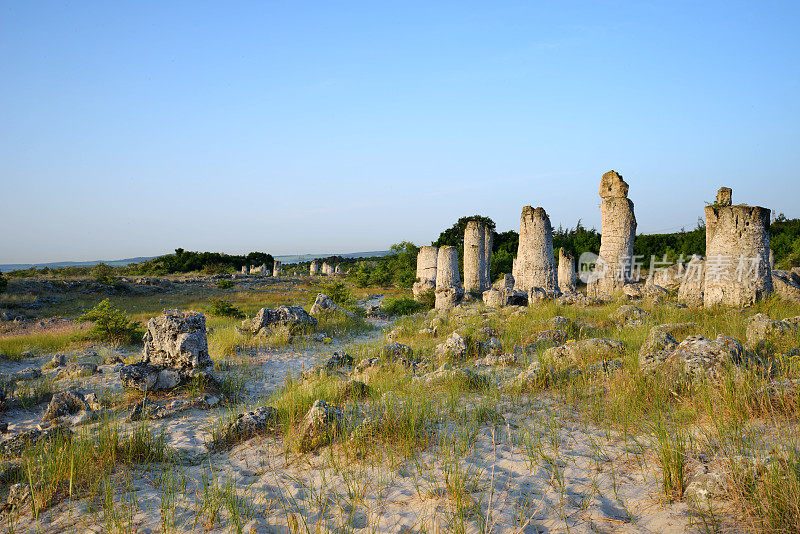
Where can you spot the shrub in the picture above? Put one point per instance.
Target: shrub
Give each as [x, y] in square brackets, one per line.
[112, 324]
[401, 306]
[338, 293]
[3, 283]
[225, 284]
[225, 309]
[103, 274]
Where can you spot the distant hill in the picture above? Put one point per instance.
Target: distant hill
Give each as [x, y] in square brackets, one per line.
[6, 267]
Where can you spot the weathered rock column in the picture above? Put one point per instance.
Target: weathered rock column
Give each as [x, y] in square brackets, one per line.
[475, 256]
[245, 271]
[426, 272]
[487, 261]
[277, 268]
[737, 271]
[314, 268]
[327, 270]
[536, 265]
[616, 241]
[338, 269]
[264, 271]
[690, 291]
[449, 292]
[566, 271]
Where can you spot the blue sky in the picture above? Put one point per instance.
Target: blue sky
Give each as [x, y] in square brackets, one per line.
[133, 128]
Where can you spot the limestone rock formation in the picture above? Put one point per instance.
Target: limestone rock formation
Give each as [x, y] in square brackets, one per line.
[314, 267]
[690, 292]
[487, 255]
[177, 339]
[426, 272]
[786, 285]
[454, 347]
[698, 356]
[613, 269]
[603, 348]
[737, 253]
[321, 425]
[294, 317]
[475, 257]
[324, 305]
[262, 420]
[449, 292]
[535, 265]
[669, 278]
[566, 271]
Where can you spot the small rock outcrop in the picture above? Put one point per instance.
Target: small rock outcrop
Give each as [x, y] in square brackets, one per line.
[597, 347]
[737, 269]
[322, 424]
[175, 349]
[768, 336]
[294, 317]
[698, 356]
[263, 420]
[324, 305]
[786, 285]
[454, 347]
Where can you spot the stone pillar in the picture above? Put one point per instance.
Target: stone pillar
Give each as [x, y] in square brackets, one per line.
[514, 272]
[426, 272]
[244, 270]
[737, 269]
[566, 271]
[690, 291]
[314, 268]
[536, 265]
[614, 266]
[338, 269]
[276, 268]
[489, 240]
[449, 292]
[264, 271]
[475, 256]
[326, 269]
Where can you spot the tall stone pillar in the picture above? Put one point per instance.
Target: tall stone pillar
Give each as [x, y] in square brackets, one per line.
[566, 271]
[314, 268]
[489, 240]
[449, 292]
[615, 264]
[475, 256]
[737, 269]
[536, 265]
[426, 272]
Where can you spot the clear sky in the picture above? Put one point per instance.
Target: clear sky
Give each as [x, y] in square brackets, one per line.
[132, 128]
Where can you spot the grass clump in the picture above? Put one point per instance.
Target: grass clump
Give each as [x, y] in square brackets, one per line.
[225, 284]
[401, 306]
[112, 324]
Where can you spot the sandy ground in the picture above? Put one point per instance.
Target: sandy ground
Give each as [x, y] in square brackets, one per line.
[543, 469]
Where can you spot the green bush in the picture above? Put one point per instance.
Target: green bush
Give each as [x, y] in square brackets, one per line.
[338, 293]
[103, 274]
[225, 284]
[225, 309]
[112, 324]
[401, 306]
[3, 283]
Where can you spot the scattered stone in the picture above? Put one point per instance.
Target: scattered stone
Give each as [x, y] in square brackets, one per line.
[577, 351]
[64, 403]
[352, 389]
[263, 420]
[604, 366]
[321, 425]
[765, 335]
[31, 373]
[13, 446]
[629, 315]
[492, 347]
[146, 377]
[338, 360]
[786, 285]
[704, 487]
[293, 317]
[500, 360]
[77, 370]
[58, 361]
[669, 279]
[325, 305]
[698, 356]
[469, 378]
[632, 291]
[395, 350]
[177, 339]
[454, 347]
